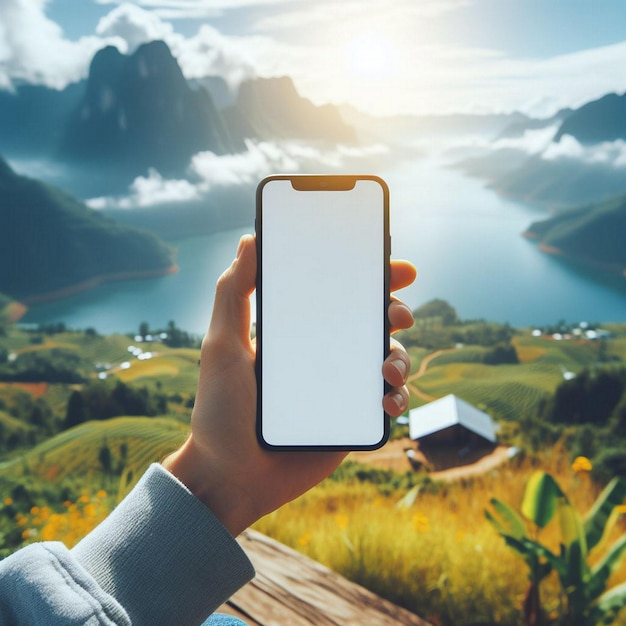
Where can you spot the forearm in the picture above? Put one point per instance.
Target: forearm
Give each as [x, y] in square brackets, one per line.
[163, 555]
[160, 558]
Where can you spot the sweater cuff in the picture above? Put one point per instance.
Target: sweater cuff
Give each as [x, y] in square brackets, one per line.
[163, 555]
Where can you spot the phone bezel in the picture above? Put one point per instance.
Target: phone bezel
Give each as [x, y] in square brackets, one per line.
[320, 183]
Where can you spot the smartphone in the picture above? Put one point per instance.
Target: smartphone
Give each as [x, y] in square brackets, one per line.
[323, 249]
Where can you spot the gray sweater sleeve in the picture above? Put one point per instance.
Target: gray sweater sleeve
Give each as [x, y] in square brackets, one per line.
[161, 557]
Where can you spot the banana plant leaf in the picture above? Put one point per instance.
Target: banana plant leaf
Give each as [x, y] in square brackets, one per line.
[595, 523]
[507, 522]
[532, 552]
[541, 498]
[610, 604]
[602, 570]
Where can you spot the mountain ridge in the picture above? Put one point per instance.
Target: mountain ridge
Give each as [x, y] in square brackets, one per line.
[52, 245]
[591, 234]
[139, 109]
[600, 120]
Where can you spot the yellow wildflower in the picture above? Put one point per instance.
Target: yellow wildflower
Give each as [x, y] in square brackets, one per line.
[621, 509]
[8, 501]
[342, 521]
[581, 464]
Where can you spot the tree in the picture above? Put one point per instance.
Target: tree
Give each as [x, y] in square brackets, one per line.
[500, 354]
[589, 397]
[437, 308]
[76, 412]
[106, 459]
[144, 329]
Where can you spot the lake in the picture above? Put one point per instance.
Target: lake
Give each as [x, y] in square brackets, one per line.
[464, 239]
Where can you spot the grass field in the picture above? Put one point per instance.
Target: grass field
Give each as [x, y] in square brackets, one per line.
[75, 452]
[508, 392]
[438, 557]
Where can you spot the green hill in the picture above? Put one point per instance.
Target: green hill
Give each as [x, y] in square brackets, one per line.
[594, 234]
[133, 442]
[52, 244]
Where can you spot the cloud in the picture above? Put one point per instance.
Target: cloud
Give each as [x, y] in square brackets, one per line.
[134, 25]
[210, 53]
[194, 9]
[535, 141]
[34, 49]
[259, 160]
[610, 153]
[207, 53]
[540, 143]
[303, 13]
[210, 172]
[149, 191]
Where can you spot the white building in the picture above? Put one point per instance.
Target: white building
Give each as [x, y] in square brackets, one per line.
[451, 420]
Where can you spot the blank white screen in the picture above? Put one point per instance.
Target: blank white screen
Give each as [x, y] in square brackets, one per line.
[323, 276]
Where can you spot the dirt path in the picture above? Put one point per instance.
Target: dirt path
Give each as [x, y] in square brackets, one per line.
[393, 456]
[413, 388]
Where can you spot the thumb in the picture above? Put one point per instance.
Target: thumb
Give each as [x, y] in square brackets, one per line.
[231, 309]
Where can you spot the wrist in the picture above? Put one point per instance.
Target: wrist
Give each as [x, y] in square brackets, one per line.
[193, 468]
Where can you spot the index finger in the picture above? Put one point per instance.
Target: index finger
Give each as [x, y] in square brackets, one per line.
[402, 274]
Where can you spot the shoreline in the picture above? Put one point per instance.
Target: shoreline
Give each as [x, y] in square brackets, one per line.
[610, 268]
[95, 281]
[14, 311]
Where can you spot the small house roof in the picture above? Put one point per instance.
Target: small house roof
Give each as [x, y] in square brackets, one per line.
[449, 411]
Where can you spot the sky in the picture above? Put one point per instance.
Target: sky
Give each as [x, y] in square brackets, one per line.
[383, 57]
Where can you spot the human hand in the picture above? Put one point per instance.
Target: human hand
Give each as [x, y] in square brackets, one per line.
[222, 462]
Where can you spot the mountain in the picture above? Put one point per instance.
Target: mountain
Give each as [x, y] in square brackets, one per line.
[221, 93]
[139, 111]
[597, 121]
[552, 184]
[33, 118]
[567, 181]
[593, 234]
[519, 127]
[51, 244]
[271, 108]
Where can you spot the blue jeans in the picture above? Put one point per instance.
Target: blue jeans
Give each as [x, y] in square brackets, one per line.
[221, 619]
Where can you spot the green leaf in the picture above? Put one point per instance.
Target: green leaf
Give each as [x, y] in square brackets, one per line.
[408, 500]
[575, 572]
[540, 499]
[571, 526]
[599, 514]
[508, 521]
[532, 551]
[602, 570]
[611, 603]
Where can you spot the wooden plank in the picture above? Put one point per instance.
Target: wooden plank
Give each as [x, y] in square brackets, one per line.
[291, 589]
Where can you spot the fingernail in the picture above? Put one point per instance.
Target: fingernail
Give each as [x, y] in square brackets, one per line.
[401, 366]
[398, 398]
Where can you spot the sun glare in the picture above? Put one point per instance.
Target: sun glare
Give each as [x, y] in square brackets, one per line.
[370, 56]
